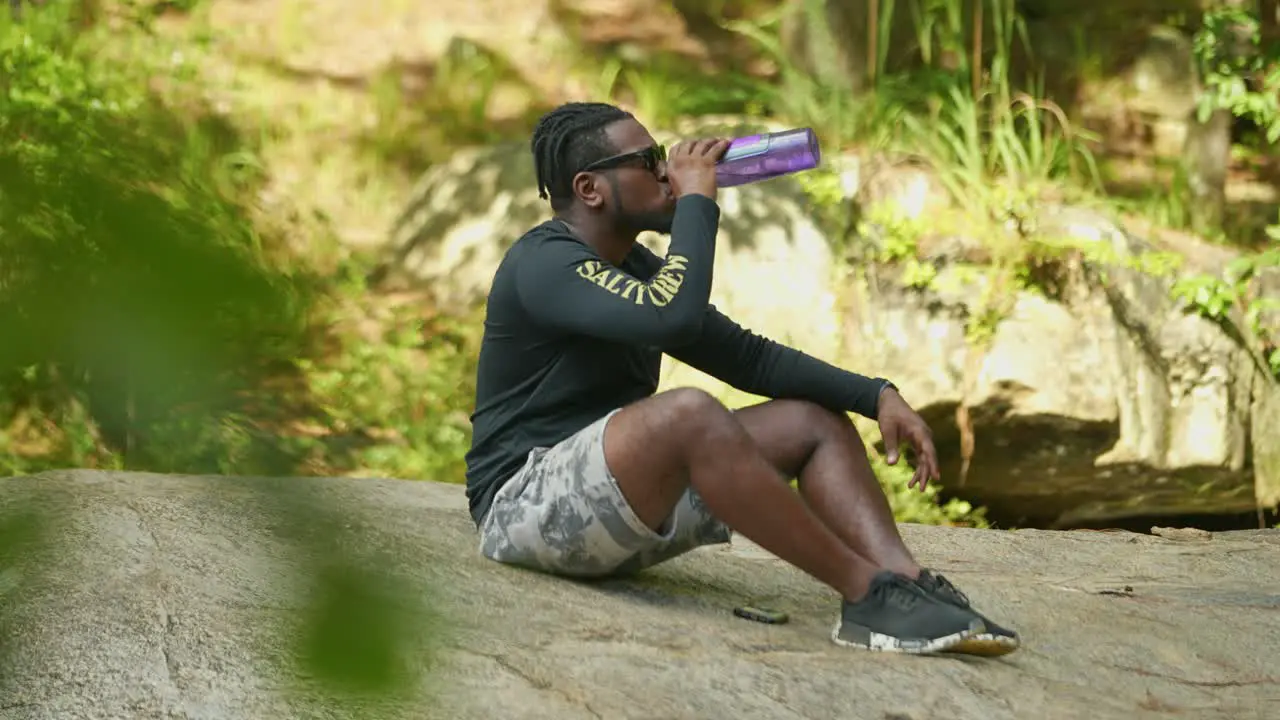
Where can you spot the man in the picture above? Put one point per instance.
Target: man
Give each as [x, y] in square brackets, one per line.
[578, 467]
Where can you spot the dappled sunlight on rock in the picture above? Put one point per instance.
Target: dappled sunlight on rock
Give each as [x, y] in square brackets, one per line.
[194, 588]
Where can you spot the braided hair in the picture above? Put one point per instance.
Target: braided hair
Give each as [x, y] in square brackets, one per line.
[566, 139]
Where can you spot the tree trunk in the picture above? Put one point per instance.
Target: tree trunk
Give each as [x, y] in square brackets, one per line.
[1269, 17]
[1205, 159]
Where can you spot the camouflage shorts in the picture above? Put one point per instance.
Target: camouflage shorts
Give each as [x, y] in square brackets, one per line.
[563, 513]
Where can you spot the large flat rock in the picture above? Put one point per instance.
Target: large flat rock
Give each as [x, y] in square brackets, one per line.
[160, 595]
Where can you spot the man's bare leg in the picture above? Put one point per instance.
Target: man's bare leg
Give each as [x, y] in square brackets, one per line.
[662, 445]
[657, 448]
[825, 453]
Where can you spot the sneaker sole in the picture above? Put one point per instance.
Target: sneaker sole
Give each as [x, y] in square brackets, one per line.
[879, 642]
[985, 645]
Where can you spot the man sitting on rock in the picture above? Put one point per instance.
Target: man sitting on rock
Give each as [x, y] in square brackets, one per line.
[580, 468]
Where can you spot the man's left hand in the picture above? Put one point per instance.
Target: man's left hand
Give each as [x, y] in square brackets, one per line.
[899, 423]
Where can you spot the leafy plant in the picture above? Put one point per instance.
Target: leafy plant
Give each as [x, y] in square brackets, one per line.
[404, 396]
[939, 28]
[1218, 298]
[136, 290]
[981, 148]
[146, 323]
[895, 234]
[1239, 73]
[909, 505]
[415, 130]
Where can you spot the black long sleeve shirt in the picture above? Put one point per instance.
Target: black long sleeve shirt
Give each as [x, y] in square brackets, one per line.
[569, 337]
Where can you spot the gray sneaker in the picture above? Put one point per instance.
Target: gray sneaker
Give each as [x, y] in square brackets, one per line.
[994, 642]
[897, 615]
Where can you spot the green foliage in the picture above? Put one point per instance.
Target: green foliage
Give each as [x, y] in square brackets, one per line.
[146, 323]
[894, 234]
[838, 116]
[1166, 205]
[135, 289]
[911, 505]
[149, 324]
[406, 393]
[1212, 297]
[1233, 295]
[451, 106]
[1101, 252]
[346, 644]
[894, 238]
[665, 89]
[998, 151]
[1239, 73]
[939, 29]
[982, 149]
[999, 141]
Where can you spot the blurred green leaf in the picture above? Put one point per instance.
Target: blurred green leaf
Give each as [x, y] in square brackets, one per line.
[354, 636]
[148, 323]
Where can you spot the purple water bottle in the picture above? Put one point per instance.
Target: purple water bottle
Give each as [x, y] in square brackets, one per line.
[761, 157]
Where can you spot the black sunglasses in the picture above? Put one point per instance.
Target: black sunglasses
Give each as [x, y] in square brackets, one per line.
[652, 156]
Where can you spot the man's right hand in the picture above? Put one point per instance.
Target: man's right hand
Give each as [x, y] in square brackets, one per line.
[691, 166]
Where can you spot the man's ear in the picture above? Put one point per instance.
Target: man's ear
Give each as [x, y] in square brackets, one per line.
[589, 189]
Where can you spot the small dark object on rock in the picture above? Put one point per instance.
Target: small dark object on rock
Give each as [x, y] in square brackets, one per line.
[762, 615]
[1125, 592]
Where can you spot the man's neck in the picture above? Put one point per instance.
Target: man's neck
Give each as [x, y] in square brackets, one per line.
[611, 243]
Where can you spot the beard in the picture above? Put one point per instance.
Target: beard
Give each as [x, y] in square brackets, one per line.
[659, 222]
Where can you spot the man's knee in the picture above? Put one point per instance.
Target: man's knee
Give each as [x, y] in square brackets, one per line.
[652, 445]
[660, 431]
[692, 409]
[814, 417]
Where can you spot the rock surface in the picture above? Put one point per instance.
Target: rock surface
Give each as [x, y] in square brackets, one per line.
[1102, 401]
[160, 588]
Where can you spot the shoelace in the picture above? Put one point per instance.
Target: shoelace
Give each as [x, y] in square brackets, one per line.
[945, 586]
[901, 592]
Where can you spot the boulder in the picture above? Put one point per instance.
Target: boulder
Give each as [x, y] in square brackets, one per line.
[1102, 401]
[645, 27]
[175, 597]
